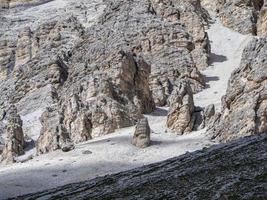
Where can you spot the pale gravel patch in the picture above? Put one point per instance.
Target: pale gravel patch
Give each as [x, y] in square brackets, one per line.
[226, 48]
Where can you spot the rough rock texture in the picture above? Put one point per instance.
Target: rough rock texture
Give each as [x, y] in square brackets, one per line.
[232, 171]
[13, 3]
[141, 136]
[245, 103]
[53, 133]
[262, 21]
[14, 144]
[94, 66]
[209, 112]
[244, 16]
[181, 117]
[194, 18]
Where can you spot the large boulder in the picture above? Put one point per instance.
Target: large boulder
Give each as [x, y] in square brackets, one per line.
[244, 105]
[181, 113]
[53, 134]
[141, 136]
[15, 143]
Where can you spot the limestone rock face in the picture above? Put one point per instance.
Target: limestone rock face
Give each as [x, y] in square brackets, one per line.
[194, 18]
[87, 68]
[53, 134]
[14, 144]
[245, 102]
[141, 136]
[262, 21]
[244, 16]
[181, 113]
[14, 3]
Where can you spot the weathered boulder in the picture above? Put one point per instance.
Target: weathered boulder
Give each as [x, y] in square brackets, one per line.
[181, 113]
[141, 136]
[15, 143]
[245, 103]
[53, 134]
[209, 112]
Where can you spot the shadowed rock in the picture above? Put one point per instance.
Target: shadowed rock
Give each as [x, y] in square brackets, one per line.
[232, 171]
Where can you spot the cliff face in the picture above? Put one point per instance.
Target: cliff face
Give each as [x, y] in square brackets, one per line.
[245, 102]
[86, 69]
[244, 16]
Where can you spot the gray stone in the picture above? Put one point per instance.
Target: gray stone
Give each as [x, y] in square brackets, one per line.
[15, 143]
[141, 136]
[245, 102]
[197, 175]
[181, 117]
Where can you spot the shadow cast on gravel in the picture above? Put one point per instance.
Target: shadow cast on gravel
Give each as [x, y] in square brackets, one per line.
[215, 58]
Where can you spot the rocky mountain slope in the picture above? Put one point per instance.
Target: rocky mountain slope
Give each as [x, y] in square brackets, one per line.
[244, 16]
[233, 171]
[73, 72]
[86, 76]
[245, 103]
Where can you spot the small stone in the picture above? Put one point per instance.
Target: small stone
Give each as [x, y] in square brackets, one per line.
[67, 147]
[87, 152]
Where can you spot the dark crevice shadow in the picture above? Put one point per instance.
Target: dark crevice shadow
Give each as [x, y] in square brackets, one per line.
[210, 79]
[159, 112]
[215, 58]
[30, 144]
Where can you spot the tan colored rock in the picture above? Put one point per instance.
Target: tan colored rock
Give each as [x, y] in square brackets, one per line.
[262, 21]
[23, 49]
[194, 18]
[7, 58]
[14, 144]
[141, 136]
[53, 134]
[244, 105]
[181, 113]
[14, 3]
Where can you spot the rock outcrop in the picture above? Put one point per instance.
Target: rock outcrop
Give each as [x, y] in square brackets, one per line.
[94, 67]
[262, 21]
[14, 144]
[181, 117]
[141, 136]
[53, 134]
[194, 18]
[205, 174]
[244, 105]
[244, 16]
[13, 3]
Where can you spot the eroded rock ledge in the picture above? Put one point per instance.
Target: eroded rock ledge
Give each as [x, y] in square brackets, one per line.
[232, 171]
